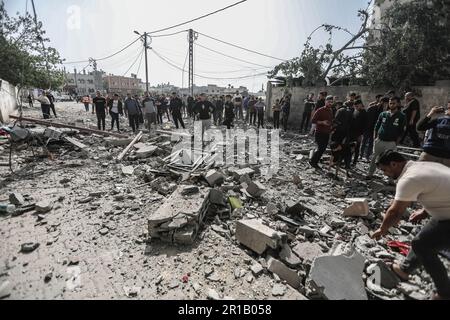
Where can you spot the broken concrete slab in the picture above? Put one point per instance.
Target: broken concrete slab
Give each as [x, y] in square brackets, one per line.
[285, 273]
[256, 189]
[216, 197]
[16, 199]
[359, 207]
[237, 174]
[179, 218]
[338, 277]
[44, 206]
[307, 251]
[294, 208]
[214, 177]
[5, 289]
[76, 143]
[257, 236]
[146, 152]
[288, 257]
[117, 142]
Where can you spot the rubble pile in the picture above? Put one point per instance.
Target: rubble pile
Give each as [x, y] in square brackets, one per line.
[191, 228]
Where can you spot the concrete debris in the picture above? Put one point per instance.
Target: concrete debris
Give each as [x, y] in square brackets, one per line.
[256, 189]
[307, 251]
[29, 247]
[294, 208]
[338, 277]
[213, 295]
[146, 152]
[16, 199]
[256, 269]
[128, 170]
[44, 206]
[257, 236]
[358, 208]
[278, 290]
[5, 289]
[189, 190]
[288, 257]
[285, 273]
[214, 177]
[383, 276]
[239, 173]
[178, 220]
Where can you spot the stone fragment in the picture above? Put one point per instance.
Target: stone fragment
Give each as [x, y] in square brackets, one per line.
[338, 277]
[214, 177]
[307, 251]
[279, 268]
[359, 208]
[44, 206]
[146, 152]
[16, 199]
[128, 170]
[278, 290]
[288, 257]
[257, 237]
[28, 247]
[256, 269]
[256, 189]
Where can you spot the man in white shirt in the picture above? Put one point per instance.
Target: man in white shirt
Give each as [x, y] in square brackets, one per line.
[429, 184]
[45, 104]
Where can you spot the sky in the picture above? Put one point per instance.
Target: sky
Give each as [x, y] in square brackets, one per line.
[80, 29]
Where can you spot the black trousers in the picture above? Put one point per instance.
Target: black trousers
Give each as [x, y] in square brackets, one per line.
[45, 111]
[114, 119]
[322, 143]
[305, 121]
[276, 119]
[411, 131]
[260, 120]
[134, 121]
[285, 121]
[253, 118]
[101, 120]
[357, 150]
[52, 106]
[178, 118]
[425, 247]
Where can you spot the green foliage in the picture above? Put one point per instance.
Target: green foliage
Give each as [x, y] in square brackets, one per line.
[413, 45]
[25, 61]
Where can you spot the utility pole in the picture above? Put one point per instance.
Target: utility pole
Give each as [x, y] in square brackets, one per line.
[191, 62]
[146, 61]
[146, 47]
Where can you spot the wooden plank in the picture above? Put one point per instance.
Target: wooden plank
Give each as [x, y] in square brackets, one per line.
[62, 125]
[75, 142]
[127, 149]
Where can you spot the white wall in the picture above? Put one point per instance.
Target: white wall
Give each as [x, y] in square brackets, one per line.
[8, 101]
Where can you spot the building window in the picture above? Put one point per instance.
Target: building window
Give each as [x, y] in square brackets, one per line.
[91, 81]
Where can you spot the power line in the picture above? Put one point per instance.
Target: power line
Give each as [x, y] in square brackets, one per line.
[132, 65]
[242, 48]
[169, 34]
[204, 77]
[201, 17]
[231, 57]
[108, 57]
[140, 64]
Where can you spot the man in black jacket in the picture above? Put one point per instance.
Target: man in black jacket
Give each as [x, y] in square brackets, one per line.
[176, 106]
[99, 103]
[307, 112]
[358, 127]
[412, 113]
[203, 109]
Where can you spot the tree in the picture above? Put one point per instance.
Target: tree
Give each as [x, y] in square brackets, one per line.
[413, 45]
[317, 65]
[25, 61]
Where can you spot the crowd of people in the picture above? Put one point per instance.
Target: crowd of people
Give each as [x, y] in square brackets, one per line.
[157, 109]
[354, 132]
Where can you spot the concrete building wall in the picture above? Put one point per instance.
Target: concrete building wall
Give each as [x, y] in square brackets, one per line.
[8, 100]
[428, 96]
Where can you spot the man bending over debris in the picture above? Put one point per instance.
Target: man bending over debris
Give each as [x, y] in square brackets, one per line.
[429, 184]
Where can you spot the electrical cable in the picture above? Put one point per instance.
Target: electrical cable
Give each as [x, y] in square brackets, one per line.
[231, 57]
[107, 57]
[201, 17]
[132, 65]
[242, 48]
[201, 76]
